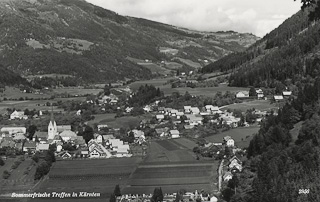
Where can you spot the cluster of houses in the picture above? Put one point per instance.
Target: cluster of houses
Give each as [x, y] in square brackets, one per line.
[260, 95]
[20, 115]
[188, 196]
[234, 165]
[102, 146]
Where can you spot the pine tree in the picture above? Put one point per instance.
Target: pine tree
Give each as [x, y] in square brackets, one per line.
[117, 191]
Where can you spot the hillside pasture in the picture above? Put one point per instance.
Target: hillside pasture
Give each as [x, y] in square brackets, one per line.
[155, 69]
[207, 92]
[262, 105]
[155, 82]
[28, 104]
[19, 181]
[76, 91]
[241, 136]
[15, 93]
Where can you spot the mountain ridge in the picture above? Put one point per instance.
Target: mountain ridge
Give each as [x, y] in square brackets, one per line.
[91, 43]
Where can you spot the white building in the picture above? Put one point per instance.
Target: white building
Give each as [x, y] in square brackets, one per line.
[18, 115]
[174, 133]
[228, 141]
[242, 94]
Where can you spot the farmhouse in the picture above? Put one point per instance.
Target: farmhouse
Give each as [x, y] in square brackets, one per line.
[242, 94]
[287, 93]
[67, 135]
[179, 114]
[278, 97]
[101, 126]
[187, 109]
[228, 141]
[160, 117]
[42, 147]
[96, 150]
[194, 120]
[29, 146]
[195, 110]
[14, 130]
[259, 93]
[174, 133]
[227, 176]
[235, 165]
[162, 131]
[18, 115]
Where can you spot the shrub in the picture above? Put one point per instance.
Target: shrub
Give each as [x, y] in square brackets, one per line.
[1, 162]
[16, 164]
[6, 174]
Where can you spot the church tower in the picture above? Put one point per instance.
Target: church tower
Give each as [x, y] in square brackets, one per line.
[52, 127]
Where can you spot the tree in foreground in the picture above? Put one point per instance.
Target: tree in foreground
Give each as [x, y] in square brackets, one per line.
[1, 162]
[157, 195]
[117, 191]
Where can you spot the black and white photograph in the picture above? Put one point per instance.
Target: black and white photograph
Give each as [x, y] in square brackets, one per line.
[160, 100]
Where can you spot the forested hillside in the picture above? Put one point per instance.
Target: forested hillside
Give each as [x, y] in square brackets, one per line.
[284, 55]
[282, 167]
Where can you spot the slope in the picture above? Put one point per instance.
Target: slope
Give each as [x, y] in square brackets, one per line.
[283, 56]
[76, 38]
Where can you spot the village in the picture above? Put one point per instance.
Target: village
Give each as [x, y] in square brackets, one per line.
[164, 123]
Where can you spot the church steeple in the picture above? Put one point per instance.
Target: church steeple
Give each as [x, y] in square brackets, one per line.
[52, 127]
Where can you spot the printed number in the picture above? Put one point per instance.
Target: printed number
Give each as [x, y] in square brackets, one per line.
[304, 191]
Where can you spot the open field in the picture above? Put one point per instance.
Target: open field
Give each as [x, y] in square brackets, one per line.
[169, 151]
[155, 82]
[262, 105]
[99, 176]
[28, 104]
[154, 68]
[171, 177]
[121, 122]
[15, 93]
[208, 92]
[76, 91]
[237, 134]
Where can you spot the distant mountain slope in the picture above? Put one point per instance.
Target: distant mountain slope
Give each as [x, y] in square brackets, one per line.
[285, 55]
[77, 38]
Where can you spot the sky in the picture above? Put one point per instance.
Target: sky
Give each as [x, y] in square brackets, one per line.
[246, 16]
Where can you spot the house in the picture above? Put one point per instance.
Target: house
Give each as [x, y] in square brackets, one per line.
[18, 115]
[235, 164]
[187, 109]
[173, 112]
[160, 117]
[96, 150]
[67, 135]
[107, 137]
[147, 108]
[174, 133]
[59, 147]
[229, 142]
[195, 110]
[278, 97]
[287, 93]
[14, 130]
[62, 128]
[227, 176]
[42, 147]
[137, 133]
[66, 155]
[259, 93]
[7, 142]
[57, 139]
[41, 136]
[242, 94]
[102, 126]
[128, 109]
[98, 138]
[29, 146]
[161, 110]
[78, 113]
[19, 137]
[179, 115]
[162, 131]
[188, 127]
[194, 120]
